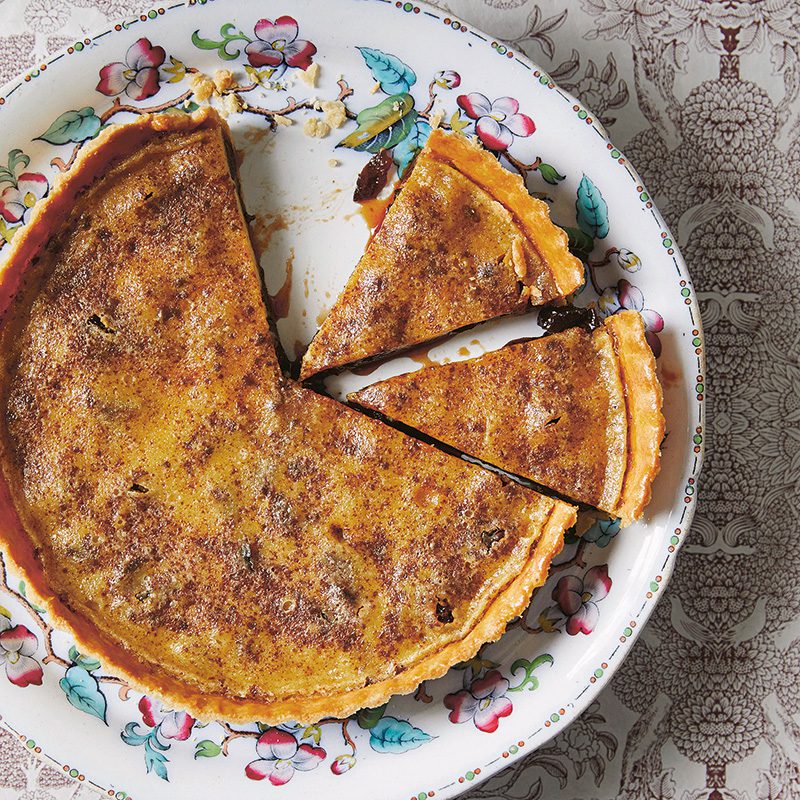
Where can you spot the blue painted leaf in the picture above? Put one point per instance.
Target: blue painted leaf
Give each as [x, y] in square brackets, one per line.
[382, 126]
[87, 662]
[132, 737]
[83, 691]
[393, 75]
[153, 760]
[591, 210]
[411, 145]
[390, 735]
[73, 126]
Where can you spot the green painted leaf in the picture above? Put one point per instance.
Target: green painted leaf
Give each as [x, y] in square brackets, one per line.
[382, 126]
[550, 174]
[87, 662]
[580, 243]
[83, 691]
[368, 718]
[207, 749]
[390, 735]
[591, 210]
[73, 126]
[393, 75]
[405, 151]
[6, 235]
[229, 34]
[529, 680]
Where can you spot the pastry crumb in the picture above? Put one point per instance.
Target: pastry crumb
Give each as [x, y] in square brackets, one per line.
[231, 104]
[284, 122]
[224, 80]
[309, 76]
[333, 162]
[202, 86]
[335, 112]
[316, 128]
[375, 89]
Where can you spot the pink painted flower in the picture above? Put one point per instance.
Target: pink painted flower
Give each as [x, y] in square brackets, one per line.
[625, 296]
[484, 702]
[280, 755]
[172, 724]
[17, 201]
[138, 76]
[342, 764]
[447, 79]
[277, 46]
[577, 598]
[498, 122]
[17, 646]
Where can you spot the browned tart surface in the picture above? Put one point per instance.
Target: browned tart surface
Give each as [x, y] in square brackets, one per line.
[224, 538]
[463, 242]
[577, 412]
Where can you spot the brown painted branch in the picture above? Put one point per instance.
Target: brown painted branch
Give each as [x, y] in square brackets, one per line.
[431, 100]
[62, 165]
[347, 738]
[521, 166]
[117, 106]
[576, 560]
[421, 695]
[231, 734]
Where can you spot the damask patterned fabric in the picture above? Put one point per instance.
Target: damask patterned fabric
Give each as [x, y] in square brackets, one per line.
[703, 97]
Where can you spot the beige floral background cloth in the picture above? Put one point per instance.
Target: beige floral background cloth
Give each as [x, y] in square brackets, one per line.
[703, 97]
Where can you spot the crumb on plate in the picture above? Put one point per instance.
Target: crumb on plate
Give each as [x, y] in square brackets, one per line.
[316, 128]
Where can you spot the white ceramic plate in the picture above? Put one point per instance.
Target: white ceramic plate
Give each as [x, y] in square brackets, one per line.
[545, 670]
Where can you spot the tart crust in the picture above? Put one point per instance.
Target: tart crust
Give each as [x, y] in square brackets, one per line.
[576, 412]
[462, 242]
[226, 571]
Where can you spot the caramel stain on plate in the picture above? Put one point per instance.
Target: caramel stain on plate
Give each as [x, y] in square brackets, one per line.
[264, 228]
[421, 355]
[668, 377]
[281, 300]
[374, 211]
[365, 369]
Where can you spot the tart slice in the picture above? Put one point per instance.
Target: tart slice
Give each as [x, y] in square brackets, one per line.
[577, 412]
[223, 538]
[462, 243]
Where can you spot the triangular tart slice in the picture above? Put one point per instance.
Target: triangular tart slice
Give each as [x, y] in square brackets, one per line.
[463, 242]
[577, 412]
[219, 536]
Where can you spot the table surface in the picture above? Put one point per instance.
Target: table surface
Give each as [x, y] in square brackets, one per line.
[703, 97]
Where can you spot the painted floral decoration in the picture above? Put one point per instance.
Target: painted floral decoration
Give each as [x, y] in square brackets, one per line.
[17, 201]
[484, 703]
[172, 724]
[602, 532]
[447, 79]
[137, 76]
[279, 757]
[497, 121]
[17, 646]
[577, 598]
[626, 296]
[278, 47]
